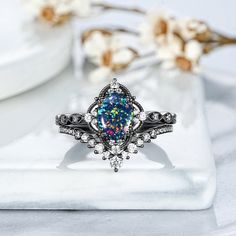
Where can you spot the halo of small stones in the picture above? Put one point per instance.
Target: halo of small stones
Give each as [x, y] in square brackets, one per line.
[114, 153]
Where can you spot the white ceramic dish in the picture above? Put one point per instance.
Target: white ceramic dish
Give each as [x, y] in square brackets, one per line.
[30, 53]
[37, 164]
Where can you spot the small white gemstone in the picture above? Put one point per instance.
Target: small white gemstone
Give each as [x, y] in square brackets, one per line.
[77, 134]
[114, 84]
[146, 137]
[94, 113]
[74, 118]
[71, 131]
[162, 130]
[116, 162]
[142, 116]
[106, 154]
[94, 121]
[91, 143]
[63, 119]
[155, 116]
[153, 133]
[124, 154]
[118, 90]
[139, 142]
[132, 147]
[99, 148]
[168, 117]
[85, 137]
[115, 149]
[88, 117]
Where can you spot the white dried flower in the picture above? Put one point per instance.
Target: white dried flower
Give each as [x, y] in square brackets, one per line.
[158, 25]
[186, 59]
[106, 51]
[193, 29]
[57, 11]
[168, 48]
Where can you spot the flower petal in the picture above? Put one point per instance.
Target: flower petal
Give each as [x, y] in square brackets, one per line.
[193, 50]
[95, 44]
[123, 56]
[99, 74]
[81, 8]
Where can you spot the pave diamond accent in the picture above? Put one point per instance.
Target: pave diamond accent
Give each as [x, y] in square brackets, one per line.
[116, 163]
[91, 143]
[168, 117]
[88, 117]
[99, 148]
[125, 155]
[115, 149]
[114, 84]
[106, 155]
[142, 116]
[65, 130]
[74, 118]
[85, 137]
[77, 134]
[63, 119]
[146, 137]
[139, 142]
[156, 116]
[153, 133]
[132, 148]
[164, 129]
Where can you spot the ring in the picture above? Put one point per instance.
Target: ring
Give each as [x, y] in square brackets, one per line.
[116, 125]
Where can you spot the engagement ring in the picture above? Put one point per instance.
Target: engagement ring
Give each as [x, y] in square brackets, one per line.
[116, 125]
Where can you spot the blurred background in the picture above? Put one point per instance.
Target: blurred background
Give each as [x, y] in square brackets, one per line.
[39, 64]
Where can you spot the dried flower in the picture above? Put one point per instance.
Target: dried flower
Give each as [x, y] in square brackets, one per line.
[57, 12]
[157, 27]
[105, 50]
[185, 58]
[178, 42]
[193, 29]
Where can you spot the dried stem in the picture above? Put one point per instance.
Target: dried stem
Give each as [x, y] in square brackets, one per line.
[128, 31]
[225, 41]
[217, 40]
[106, 6]
[220, 39]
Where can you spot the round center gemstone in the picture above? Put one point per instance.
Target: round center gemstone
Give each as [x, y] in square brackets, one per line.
[114, 116]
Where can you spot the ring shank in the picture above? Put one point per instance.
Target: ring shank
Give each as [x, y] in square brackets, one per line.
[160, 121]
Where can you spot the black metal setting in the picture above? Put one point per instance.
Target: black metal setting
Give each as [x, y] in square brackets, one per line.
[144, 127]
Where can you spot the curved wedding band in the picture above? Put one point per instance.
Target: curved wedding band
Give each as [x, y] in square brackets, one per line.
[116, 125]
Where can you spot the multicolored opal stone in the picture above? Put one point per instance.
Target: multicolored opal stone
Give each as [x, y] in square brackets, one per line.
[115, 115]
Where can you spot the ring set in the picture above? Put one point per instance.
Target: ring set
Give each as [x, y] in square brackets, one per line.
[116, 125]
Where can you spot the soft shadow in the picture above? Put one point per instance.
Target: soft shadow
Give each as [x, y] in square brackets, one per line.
[220, 93]
[79, 153]
[155, 153]
[76, 154]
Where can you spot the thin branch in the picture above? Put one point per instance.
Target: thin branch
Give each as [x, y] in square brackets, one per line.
[128, 31]
[106, 6]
